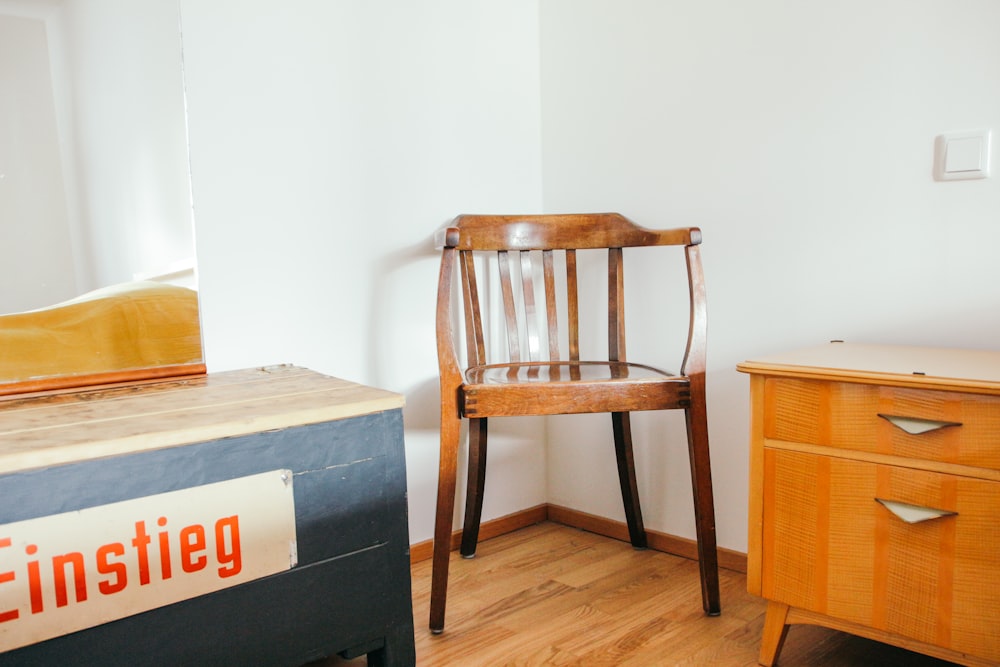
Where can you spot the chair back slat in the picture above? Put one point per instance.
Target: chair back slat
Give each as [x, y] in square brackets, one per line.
[616, 306]
[552, 314]
[572, 307]
[530, 311]
[509, 308]
[475, 342]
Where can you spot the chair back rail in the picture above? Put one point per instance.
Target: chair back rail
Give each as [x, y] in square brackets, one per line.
[556, 232]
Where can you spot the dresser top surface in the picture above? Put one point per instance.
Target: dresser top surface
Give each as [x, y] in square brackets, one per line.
[970, 370]
[58, 428]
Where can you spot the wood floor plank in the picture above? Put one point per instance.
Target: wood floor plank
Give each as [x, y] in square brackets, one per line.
[554, 595]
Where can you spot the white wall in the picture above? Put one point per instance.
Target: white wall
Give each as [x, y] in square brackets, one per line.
[329, 140]
[799, 136]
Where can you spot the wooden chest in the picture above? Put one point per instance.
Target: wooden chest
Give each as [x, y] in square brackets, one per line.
[875, 492]
[340, 445]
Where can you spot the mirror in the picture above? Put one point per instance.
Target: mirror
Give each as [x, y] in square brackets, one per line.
[95, 195]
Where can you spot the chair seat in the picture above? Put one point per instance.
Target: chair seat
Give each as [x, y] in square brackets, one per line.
[565, 387]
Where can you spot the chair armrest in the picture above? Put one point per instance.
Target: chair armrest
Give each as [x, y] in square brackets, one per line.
[444, 327]
[694, 354]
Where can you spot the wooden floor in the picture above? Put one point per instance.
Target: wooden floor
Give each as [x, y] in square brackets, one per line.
[554, 595]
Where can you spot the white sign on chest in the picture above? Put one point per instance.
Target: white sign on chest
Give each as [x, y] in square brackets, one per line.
[71, 571]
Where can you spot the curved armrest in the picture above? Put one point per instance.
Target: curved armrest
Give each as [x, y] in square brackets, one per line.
[694, 354]
[447, 354]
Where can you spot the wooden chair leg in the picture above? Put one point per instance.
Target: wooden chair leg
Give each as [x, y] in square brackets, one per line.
[443, 519]
[622, 426]
[704, 504]
[475, 487]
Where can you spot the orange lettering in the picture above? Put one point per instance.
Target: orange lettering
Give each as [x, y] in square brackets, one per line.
[59, 564]
[34, 581]
[192, 542]
[115, 564]
[10, 614]
[117, 569]
[141, 542]
[232, 557]
[164, 549]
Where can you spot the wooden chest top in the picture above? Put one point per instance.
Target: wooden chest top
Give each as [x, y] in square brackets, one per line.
[59, 428]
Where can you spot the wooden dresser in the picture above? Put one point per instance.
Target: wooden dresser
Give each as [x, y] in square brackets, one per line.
[124, 472]
[875, 496]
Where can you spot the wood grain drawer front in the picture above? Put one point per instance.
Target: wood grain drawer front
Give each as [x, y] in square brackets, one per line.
[829, 546]
[957, 428]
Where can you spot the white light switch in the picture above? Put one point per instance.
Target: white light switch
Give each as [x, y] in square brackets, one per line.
[962, 155]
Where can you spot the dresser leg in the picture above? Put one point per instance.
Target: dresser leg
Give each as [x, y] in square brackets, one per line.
[775, 629]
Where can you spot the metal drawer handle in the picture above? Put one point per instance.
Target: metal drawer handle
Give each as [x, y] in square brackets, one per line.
[915, 425]
[914, 513]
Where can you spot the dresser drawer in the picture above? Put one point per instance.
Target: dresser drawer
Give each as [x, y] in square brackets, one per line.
[830, 546]
[949, 427]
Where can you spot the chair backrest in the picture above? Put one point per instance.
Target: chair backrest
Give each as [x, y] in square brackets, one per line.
[518, 242]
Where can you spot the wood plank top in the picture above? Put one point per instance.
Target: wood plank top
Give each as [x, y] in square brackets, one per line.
[976, 371]
[51, 429]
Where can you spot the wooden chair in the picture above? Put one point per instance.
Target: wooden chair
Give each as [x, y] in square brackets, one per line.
[535, 378]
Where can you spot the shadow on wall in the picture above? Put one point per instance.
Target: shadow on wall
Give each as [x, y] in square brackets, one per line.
[423, 406]
[401, 329]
